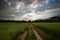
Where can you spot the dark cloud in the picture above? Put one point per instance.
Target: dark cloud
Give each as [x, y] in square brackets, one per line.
[6, 15]
[27, 9]
[55, 6]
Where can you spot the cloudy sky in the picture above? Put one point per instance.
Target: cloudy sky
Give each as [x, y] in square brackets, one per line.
[29, 9]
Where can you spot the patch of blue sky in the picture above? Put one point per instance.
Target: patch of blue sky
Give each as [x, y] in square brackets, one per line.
[55, 2]
[38, 8]
[56, 12]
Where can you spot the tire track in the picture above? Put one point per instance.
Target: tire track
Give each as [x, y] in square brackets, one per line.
[47, 35]
[31, 35]
[37, 35]
[23, 36]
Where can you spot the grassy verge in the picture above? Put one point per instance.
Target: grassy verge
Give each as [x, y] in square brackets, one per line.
[30, 35]
[9, 30]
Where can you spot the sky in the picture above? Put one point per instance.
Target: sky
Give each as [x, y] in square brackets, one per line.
[29, 9]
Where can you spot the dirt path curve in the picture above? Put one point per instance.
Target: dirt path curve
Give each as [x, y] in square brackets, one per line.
[36, 34]
[23, 36]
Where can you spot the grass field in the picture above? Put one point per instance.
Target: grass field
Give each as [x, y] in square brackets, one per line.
[10, 30]
[49, 25]
[50, 29]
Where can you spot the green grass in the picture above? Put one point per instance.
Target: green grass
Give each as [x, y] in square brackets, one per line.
[10, 30]
[30, 35]
[49, 25]
[52, 28]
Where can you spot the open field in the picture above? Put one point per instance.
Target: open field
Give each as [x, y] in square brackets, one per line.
[9, 31]
[49, 31]
[17, 30]
[49, 25]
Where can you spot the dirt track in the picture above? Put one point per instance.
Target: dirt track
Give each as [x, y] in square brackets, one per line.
[23, 36]
[37, 35]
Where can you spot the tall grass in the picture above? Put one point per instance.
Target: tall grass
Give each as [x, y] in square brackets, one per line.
[8, 31]
[49, 25]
